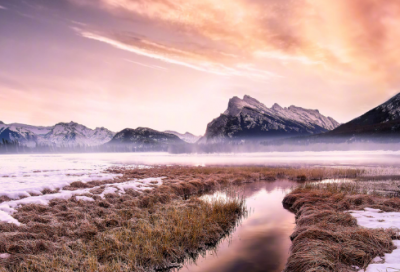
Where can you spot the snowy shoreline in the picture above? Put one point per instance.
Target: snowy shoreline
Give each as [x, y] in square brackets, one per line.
[8, 208]
[374, 219]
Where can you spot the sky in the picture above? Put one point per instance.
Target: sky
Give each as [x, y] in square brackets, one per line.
[174, 64]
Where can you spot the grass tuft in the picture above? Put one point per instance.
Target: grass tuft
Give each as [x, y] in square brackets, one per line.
[327, 238]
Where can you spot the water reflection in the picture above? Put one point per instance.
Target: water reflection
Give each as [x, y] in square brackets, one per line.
[261, 242]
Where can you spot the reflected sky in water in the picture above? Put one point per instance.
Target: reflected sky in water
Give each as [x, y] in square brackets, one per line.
[261, 242]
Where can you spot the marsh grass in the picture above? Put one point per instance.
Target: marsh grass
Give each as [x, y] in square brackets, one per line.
[239, 174]
[327, 238]
[152, 230]
[63, 238]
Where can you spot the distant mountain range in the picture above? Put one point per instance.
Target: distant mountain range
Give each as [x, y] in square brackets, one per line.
[247, 118]
[73, 134]
[62, 134]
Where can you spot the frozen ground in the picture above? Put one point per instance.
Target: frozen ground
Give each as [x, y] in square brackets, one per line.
[373, 218]
[7, 208]
[24, 176]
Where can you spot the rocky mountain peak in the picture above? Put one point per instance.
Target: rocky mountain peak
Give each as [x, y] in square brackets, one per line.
[277, 107]
[236, 105]
[1, 123]
[249, 118]
[70, 124]
[251, 100]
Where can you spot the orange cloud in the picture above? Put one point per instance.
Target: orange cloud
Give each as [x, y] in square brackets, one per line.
[360, 37]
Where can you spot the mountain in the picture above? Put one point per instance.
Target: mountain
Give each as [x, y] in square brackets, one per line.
[25, 134]
[62, 134]
[247, 118]
[142, 137]
[383, 120]
[67, 134]
[187, 137]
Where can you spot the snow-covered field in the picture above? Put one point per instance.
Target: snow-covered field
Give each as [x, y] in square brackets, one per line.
[374, 219]
[22, 176]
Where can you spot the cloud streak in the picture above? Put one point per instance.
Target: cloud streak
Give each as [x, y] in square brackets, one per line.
[359, 36]
[204, 60]
[146, 65]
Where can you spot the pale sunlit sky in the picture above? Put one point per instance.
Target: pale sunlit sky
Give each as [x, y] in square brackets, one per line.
[174, 64]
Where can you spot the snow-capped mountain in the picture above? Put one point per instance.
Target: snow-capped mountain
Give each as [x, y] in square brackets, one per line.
[187, 137]
[25, 134]
[62, 134]
[66, 134]
[144, 136]
[248, 118]
[382, 120]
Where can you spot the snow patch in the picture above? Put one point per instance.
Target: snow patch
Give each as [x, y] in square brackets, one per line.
[26, 176]
[391, 262]
[4, 256]
[84, 198]
[7, 218]
[375, 218]
[7, 208]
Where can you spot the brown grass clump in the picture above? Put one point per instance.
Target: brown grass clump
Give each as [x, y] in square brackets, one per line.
[125, 239]
[72, 236]
[326, 237]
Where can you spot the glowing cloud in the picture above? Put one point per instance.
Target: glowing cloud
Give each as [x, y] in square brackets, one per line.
[359, 36]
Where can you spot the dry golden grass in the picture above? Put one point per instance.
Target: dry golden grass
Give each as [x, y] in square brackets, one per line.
[145, 231]
[239, 174]
[326, 237]
[114, 234]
